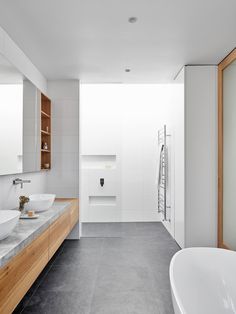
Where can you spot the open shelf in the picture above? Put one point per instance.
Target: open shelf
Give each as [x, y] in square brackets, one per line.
[99, 161]
[45, 115]
[45, 132]
[102, 200]
[45, 151]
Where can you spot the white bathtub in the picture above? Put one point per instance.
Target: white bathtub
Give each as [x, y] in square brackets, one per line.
[203, 281]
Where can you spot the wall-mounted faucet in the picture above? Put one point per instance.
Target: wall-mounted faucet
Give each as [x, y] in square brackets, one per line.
[20, 181]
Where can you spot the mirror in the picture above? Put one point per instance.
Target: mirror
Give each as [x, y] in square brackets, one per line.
[227, 153]
[20, 122]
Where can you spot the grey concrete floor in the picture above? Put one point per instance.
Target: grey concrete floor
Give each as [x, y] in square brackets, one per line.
[120, 269]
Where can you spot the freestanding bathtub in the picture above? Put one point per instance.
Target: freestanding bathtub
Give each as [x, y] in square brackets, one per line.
[203, 281]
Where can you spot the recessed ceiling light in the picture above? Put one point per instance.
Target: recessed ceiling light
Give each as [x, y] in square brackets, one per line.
[127, 70]
[132, 19]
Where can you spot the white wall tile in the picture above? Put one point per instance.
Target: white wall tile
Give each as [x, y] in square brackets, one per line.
[64, 191]
[65, 161]
[65, 144]
[9, 193]
[2, 41]
[65, 126]
[63, 179]
[124, 120]
[201, 156]
[68, 108]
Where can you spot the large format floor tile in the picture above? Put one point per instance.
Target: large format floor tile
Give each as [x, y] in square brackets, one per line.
[119, 268]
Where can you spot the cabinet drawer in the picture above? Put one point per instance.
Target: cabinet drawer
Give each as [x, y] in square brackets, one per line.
[58, 231]
[20, 273]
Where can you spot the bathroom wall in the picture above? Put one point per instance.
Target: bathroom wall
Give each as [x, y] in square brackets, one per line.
[8, 193]
[123, 120]
[196, 214]
[63, 178]
[200, 156]
[178, 122]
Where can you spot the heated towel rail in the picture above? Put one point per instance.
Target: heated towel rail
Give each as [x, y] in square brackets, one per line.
[163, 173]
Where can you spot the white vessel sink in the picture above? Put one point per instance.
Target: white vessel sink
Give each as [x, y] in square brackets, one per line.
[40, 202]
[8, 221]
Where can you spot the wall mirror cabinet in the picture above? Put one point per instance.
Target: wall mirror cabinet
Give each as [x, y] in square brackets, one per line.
[227, 152]
[25, 124]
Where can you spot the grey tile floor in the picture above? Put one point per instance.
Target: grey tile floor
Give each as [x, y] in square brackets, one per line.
[120, 269]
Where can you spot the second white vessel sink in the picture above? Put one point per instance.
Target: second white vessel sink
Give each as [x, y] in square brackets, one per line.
[8, 221]
[40, 202]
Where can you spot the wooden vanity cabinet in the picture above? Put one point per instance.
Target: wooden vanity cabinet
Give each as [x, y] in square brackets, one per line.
[74, 213]
[58, 231]
[17, 276]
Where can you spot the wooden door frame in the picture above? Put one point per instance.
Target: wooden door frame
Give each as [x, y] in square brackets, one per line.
[222, 65]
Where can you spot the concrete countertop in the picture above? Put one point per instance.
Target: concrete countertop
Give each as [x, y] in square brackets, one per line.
[29, 229]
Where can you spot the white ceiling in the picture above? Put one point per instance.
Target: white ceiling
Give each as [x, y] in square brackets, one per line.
[93, 41]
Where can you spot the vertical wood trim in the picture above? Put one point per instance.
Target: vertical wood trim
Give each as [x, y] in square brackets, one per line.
[220, 157]
[222, 65]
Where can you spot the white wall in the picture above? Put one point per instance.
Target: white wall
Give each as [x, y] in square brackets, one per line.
[200, 156]
[8, 193]
[63, 178]
[123, 120]
[177, 121]
[144, 109]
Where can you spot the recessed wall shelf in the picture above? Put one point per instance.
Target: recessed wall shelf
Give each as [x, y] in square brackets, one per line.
[45, 132]
[98, 161]
[102, 200]
[45, 151]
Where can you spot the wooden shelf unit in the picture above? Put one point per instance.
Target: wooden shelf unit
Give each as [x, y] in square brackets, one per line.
[45, 131]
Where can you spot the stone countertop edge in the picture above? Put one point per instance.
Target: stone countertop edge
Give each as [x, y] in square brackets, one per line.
[28, 230]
